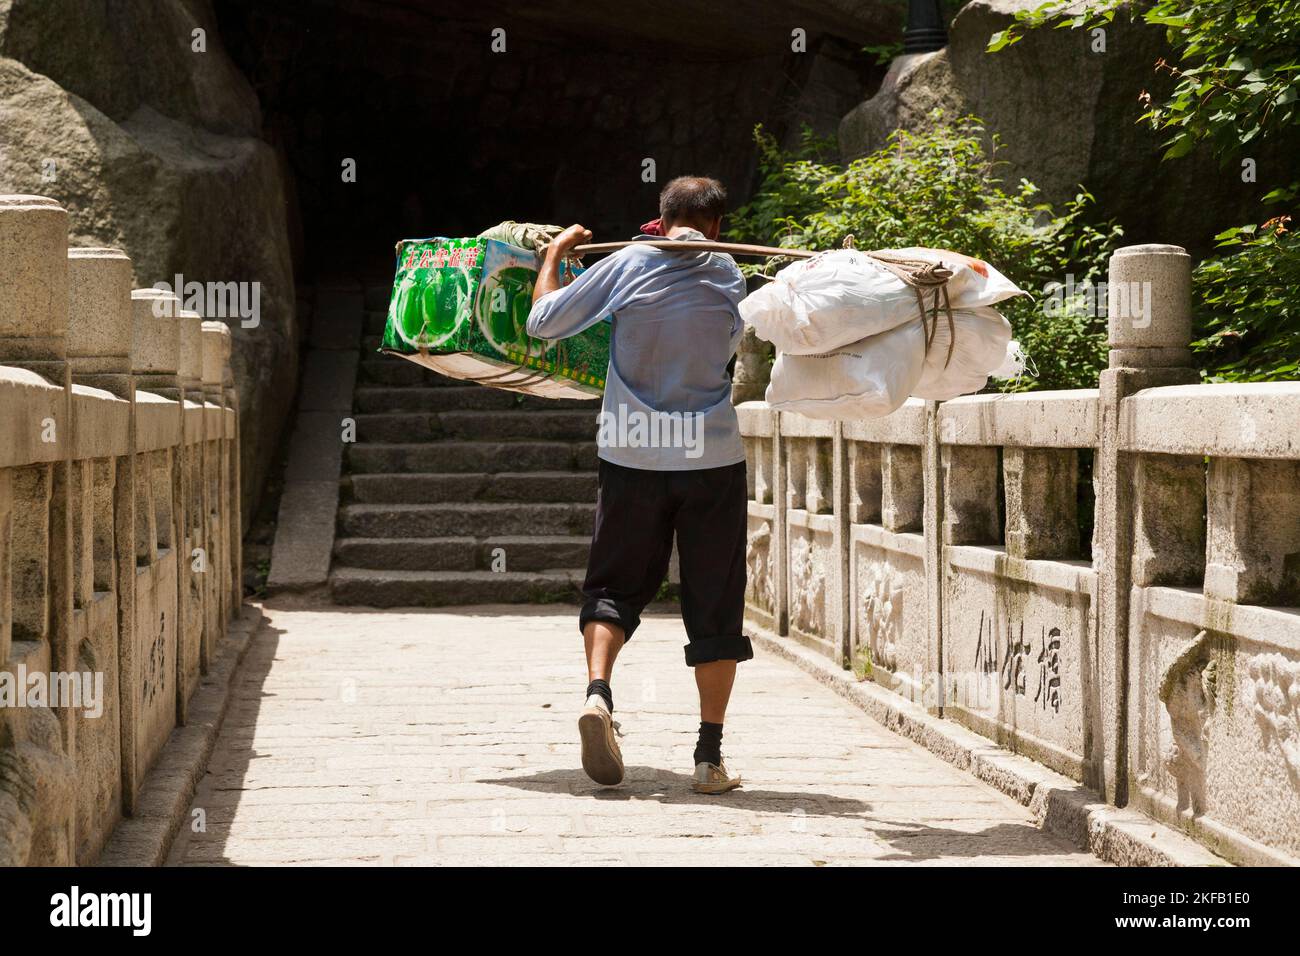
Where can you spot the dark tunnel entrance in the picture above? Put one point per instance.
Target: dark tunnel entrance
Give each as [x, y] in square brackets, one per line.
[449, 136]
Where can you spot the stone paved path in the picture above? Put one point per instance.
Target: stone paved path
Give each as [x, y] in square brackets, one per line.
[421, 737]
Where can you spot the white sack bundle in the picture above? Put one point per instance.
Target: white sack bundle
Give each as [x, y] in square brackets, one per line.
[833, 299]
[978, 349]
[836, 298]
[865, 379]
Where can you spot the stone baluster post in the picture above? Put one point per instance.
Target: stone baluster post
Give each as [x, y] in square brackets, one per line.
[1149, 331]
[189, 366]
[235, 482]
[902, 489]
[216, 355]
[155, 341]
[753, 369]
[187, 490]
[99, 357]
[215, 341]
[970, 494]
[99, 319]
[154, 360]
[33, 336]
[865, 491]
[34, 285]
[33, 323]
[1042, 503]
[100, 332]
[780, 561]
[819, 493]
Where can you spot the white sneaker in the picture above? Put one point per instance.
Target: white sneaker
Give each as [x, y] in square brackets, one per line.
[713, 778]
[601, 758]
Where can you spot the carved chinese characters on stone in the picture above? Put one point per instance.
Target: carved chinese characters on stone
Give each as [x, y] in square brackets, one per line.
[1049, 671]
[155, 668]
[1017, 660]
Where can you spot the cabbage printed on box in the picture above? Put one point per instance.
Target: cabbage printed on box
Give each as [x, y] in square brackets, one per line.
[460, 307]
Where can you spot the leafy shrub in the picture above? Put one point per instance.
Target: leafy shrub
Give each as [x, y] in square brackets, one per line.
[940, 189]
[1245, 307]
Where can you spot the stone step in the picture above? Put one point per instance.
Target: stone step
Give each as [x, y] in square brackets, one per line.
[567, 425]
[408, 554]
[418, 398]
[419, 487]
[380, 588]
[519, 552]
[375, 320]
[476, 519]
[470, 456]
[374, 369]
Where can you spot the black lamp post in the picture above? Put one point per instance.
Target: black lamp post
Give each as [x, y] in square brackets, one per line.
[925, 30]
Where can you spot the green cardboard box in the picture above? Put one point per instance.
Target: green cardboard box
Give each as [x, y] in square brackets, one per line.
[460, 306]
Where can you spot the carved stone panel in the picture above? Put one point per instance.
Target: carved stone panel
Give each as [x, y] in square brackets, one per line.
[889, 612]
[1019, 654]
[813, 567]
[760, 584]
[1215, 703]
[155, 658]
[99, 735]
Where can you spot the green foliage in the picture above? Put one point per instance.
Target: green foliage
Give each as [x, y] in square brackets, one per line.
[1236, 66]
[1237, 69]
[883, 53]
[940, 189]
[861, 662]
[1246, 309]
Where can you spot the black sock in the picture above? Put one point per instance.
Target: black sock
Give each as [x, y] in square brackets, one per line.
[709, 747]
[601, 687]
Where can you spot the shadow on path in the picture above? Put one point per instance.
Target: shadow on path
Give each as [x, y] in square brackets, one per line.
[218, 792]
[910, 840]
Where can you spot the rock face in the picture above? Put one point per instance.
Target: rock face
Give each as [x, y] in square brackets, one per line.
[152, 146]
[1067, 114]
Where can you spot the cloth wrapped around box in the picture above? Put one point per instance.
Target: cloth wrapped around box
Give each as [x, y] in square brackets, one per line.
[460, 307]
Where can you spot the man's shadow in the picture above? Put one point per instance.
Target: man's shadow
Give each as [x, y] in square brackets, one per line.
[671, 788]
[909, 840]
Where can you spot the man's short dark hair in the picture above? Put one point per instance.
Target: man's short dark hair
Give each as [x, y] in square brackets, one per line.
[692, 200]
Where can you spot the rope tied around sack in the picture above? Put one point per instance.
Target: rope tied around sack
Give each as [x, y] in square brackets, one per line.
[924, 277]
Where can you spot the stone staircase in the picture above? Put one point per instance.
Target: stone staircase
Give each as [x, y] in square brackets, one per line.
[460, 494]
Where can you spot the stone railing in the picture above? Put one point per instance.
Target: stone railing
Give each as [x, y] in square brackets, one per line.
[119, 530]
[1106, 580]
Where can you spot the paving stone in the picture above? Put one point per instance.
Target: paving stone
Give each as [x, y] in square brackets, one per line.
[427, 738]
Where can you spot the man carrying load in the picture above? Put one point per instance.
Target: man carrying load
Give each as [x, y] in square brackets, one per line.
[675, 329]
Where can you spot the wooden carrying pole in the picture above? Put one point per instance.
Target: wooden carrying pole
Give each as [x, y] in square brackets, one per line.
[693, 245]
[920, 275]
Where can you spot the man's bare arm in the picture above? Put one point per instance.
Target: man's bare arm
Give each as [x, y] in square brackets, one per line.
[548, 276]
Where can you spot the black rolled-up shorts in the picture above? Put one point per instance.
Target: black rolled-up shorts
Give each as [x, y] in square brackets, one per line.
[637, 514]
